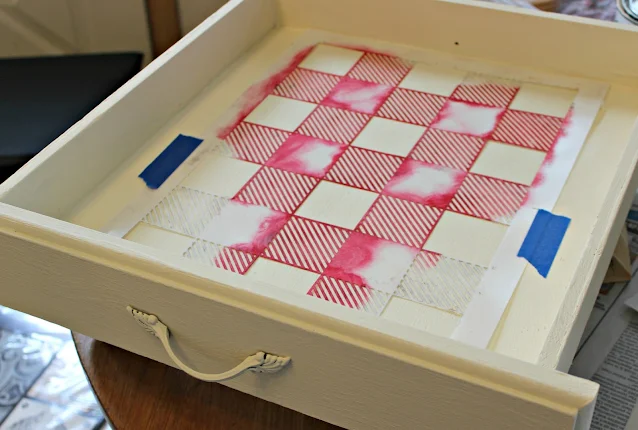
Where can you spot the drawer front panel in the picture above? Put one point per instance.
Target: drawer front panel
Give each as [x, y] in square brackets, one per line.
[332, 376]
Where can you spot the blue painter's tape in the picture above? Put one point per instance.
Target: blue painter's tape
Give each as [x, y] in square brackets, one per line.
[165, 164]
[543, 240]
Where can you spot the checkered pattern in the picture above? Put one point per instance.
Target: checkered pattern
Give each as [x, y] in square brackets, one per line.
[398, 200]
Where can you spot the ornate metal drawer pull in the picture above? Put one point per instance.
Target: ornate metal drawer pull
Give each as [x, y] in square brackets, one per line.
[259, 362]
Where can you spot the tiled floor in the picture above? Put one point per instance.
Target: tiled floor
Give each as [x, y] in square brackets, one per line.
[42, 384]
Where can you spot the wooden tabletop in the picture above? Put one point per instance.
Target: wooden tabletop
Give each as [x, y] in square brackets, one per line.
[138, 393]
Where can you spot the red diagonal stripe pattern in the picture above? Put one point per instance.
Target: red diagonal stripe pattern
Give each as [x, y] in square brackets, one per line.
[488, 94]
[336, 125]
[306, 85]
[488, 198]
[255, 143]
[448, 149]
[364, 169]
[528, 129]
[220, 256]
[277, 189]
[411, 106]
[383, 69]
[306, 244]
[349, 295]
[400, 221]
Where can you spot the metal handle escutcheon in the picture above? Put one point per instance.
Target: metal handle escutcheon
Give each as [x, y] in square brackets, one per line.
[259, 362]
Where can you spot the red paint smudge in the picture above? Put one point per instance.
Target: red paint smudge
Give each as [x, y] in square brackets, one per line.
[539, 179]
[359, 96]
[268, 229]
[499, 117]
[357, 253]
[258, 92]
[438, 198]
[290, 156]
[447, 112]
[348, 294]
[444, 113]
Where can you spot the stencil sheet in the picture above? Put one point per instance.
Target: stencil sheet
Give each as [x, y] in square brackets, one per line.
[365, 179]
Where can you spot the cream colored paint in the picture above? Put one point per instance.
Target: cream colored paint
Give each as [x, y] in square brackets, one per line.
[432, 79]
[420, 316]
[221, 176]
[280, 112]
[337, 204]
[391, 137]
[543, 99]
[466, 238]
[341, 60]
[509, 162]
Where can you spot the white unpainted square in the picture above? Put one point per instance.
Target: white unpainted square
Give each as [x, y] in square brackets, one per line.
[285, 276]
[509, 162]
[391, 137]
[432, 79]
[220, 176]
[336, 204]
[280, 113]
[331, 59]
[466, 238]
[543, 99]
[173, 243]
[420, 316]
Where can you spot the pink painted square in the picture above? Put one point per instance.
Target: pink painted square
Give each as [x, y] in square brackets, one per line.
[245, 227]
[306, 155]
[371, 262]
[468, 118]
[425, 183]
[350, 295]
[277, 189]
[489, 198]
[358, 96]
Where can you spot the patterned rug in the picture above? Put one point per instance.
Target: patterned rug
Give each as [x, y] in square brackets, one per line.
[598, 9]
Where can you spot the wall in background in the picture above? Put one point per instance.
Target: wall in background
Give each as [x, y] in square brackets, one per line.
[50, 27]
[41, 27]
[193, 12]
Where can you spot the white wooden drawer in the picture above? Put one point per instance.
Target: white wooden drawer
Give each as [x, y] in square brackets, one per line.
[349, 368]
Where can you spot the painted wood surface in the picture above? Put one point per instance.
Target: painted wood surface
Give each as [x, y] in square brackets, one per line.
[332, 363]
[477, 29]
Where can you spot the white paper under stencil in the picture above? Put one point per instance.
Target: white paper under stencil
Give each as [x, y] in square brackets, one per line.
[498, 285]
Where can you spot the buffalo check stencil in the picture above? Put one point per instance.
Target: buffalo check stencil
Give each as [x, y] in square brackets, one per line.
[362, 170]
